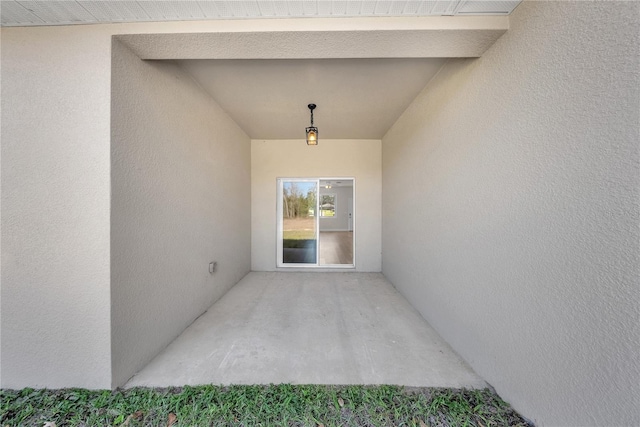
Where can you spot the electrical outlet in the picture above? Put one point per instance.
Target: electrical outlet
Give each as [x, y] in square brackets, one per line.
[212, 267]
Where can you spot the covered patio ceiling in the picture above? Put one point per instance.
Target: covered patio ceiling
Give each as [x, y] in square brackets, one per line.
[361, 73]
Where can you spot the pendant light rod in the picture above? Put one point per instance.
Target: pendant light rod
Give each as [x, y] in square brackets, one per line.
[312, 107]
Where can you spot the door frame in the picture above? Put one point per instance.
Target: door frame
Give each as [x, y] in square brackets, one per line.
[279, 223]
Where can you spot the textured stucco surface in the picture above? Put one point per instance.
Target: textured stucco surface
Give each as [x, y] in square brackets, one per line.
[180, 194]
[440, 43]
[55, 280]
[55, 208]
[359, 159]
[55, 283]
[337, 86]
[514, 180]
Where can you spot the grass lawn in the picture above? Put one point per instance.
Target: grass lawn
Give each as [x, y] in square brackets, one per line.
[298, 235]
[274, 405]
[299, 228]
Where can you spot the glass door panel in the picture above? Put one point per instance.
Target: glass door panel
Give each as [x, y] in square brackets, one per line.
[298, 222]
[335, 231]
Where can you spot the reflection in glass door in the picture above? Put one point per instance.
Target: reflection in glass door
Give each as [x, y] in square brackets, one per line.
[298, 222]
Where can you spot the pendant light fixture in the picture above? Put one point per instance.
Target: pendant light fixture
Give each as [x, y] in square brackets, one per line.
[312, 131]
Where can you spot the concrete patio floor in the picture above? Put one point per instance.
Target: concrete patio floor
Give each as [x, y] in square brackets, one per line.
[309, 328]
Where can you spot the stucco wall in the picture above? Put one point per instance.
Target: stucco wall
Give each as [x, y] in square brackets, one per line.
[55, 279]
[272, 159]
[55, 207]
[180, 198]
[510, 211]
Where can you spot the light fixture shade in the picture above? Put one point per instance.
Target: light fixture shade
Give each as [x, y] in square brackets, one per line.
[312, 135]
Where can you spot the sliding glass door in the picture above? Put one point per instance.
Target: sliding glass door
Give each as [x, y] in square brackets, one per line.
[316, 222]
[298, 221]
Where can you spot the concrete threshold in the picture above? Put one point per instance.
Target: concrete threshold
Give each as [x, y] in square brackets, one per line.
[309, 328]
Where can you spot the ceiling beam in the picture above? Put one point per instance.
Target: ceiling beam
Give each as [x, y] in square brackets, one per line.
[445, 37]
